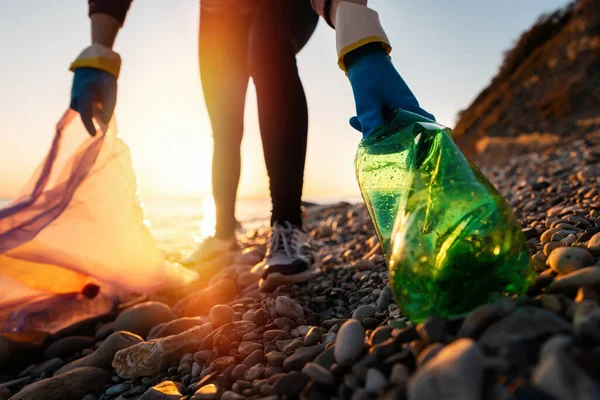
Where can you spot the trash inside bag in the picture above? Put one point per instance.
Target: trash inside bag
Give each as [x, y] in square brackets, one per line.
[74, 241]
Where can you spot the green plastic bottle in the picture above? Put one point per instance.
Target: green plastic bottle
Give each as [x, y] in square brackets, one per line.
[450, 239]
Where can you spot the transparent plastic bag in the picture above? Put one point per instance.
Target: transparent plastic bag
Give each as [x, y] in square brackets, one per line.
[77, 222]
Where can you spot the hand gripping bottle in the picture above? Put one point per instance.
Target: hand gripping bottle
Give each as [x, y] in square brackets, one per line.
[450, 239]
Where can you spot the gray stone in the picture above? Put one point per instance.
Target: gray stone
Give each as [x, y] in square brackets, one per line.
[479, 320]
[276, 358]
[594, 243]
[328, 338]
[47, 367]
[220, 315]
[586, 318]
[222, 363]
[239, 372]
[71, 385]
[68, 346]
[562, 379]
[523, 323]
[288, 383]
[116, 389]
[364, 311]
[565, 260]
[103, 356]
[399, 376]
[141, 318]
[256, 372]
[318, 374]
[292, 346]
[555, 344]
[432, 329]
[350, 341]
[296, 361]
[175, 327]
[247, 348]
[589, 276]
[313, 337]
[287, 307]
[256, 357]
[375, 381]
[385, 298]
[166, 390]
[380, 334]
[456, 372]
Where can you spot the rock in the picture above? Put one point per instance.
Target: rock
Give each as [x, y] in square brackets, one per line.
[229, 395]
[47, 367]
[327, 358]
[399, 376]
[589, 276]
[206, 392]
[71, 385]
[523, 323]
[385, 298]
[175, 327]
[149, 358]
[227, 334]
[569, 259]
[296, 361]
[250, 256]
[271, 334]
[116, 389]
[167, 390]
[247, 348]
[328, 338]
[312, 337]
[539, 262]
[142, 317]
[365, 311]
[261, 317]
[287, 307]
[103, 356]
[586, 319]
[288, 383]
[68, 346]
[256, 372]
[350, 340]
[375, 381]
[555, 344]
[479, 320]
[196, 369]
[432, 329]
[562, 379]
[256, 357]
[239, 372]
[247, 279]
[276, 358]
[104, 330]
[199, 302]
[318, 374]
[594, 243]
[456, 372]
[222, 363]
[220, 315]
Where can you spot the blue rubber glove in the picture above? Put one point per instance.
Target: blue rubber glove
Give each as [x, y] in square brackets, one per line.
[378, 88]
[94, 94]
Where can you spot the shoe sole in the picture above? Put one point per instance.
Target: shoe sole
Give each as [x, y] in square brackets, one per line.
[276, 279]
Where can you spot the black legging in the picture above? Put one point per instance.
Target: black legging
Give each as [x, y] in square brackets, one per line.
[262, 45]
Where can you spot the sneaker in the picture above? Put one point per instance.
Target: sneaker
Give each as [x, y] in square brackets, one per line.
[289, 258]
[210, 249]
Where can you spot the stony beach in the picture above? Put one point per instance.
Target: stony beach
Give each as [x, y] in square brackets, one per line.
[341, 335]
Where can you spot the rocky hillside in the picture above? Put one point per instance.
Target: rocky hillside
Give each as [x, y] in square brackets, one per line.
[546, 91]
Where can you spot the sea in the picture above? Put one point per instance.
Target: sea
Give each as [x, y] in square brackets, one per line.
[179, 223]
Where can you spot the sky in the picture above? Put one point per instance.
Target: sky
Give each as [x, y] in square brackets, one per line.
[446, 51]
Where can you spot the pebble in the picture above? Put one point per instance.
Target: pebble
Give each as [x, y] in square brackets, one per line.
[319, 374]
[594, 243]
[220, 364]
[296, 361]
[313, 337]
[287, 307]
[68, 346]
[364, 311]
[432, 329]
[256, 372]
[206, 392]
[569, 259]
[349, 344]
[399, 376]
[247, 348]
[141, 318]
[589, 276]
[456, 372]
[375, 381]
[276, 358]
[220, 315]
[256, 357]
[385, 298]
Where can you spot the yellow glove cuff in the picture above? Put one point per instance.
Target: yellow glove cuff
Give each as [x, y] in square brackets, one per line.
[355, 26]
[100, 57]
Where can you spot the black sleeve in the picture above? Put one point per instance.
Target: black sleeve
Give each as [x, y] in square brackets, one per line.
[115, 8]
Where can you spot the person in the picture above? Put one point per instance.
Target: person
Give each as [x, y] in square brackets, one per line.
[239, 39]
